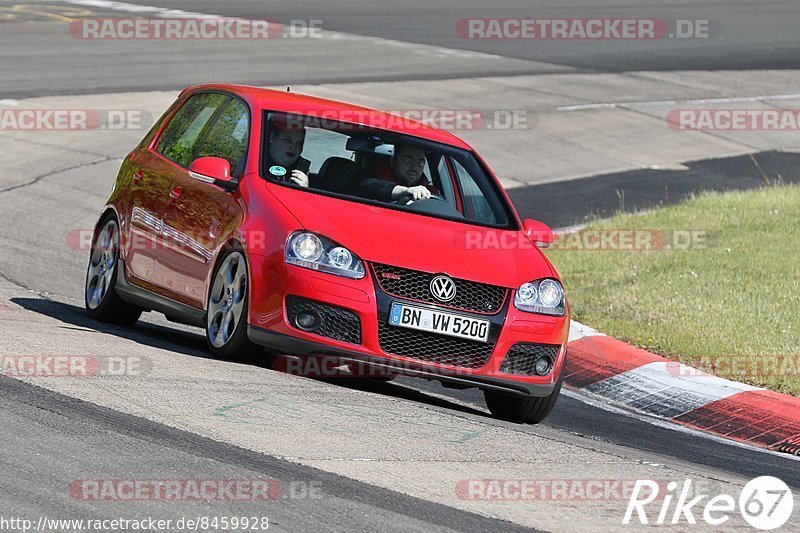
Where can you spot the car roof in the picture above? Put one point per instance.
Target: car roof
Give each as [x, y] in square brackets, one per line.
[283, 101]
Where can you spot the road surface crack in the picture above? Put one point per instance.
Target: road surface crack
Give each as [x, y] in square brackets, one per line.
[39, 178]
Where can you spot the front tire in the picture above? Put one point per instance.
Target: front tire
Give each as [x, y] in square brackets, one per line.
[521, 409]
[100, 297]
[227, 309]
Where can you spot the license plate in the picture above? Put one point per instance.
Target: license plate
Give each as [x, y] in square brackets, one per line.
[409, 316]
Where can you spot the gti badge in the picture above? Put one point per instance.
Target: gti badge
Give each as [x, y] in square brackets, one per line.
[443, 288]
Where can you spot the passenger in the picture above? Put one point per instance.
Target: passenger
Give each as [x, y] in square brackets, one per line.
[283, 160]
[403, 175]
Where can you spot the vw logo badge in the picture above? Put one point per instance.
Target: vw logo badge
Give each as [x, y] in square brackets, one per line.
[443, 288]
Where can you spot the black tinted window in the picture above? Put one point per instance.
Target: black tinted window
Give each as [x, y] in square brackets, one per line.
[228, 136]
[182, 135]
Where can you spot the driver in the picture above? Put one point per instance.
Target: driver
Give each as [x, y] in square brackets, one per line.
[283, 160]
[403, 175]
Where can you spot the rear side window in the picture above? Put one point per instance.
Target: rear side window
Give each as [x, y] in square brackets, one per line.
[183, 133]
[228, 136]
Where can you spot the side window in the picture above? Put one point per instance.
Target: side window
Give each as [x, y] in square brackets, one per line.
[321, 144]
[475, 205]
[228, 136]
[180, 138]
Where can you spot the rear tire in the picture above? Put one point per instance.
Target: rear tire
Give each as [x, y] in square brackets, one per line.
[100, 296]
[227, 311]
[521, 409]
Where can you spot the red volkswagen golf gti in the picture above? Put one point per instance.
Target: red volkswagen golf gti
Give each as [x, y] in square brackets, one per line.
[314, 228]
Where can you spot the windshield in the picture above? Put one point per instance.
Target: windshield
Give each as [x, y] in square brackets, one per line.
[363, 164]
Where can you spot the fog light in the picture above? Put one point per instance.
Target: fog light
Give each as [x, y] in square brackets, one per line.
[543, 366]
[308, 320]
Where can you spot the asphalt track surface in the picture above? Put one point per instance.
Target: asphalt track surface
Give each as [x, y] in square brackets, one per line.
[49, 437]
[59, 427]
[743, 36]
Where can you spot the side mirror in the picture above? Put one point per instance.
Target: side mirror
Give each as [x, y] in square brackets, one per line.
[213, 170]
[538, 232]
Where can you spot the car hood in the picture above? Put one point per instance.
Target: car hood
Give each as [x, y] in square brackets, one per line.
[409, 240]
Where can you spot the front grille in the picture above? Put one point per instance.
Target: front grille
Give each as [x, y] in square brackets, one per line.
[337, 323]
[415, 285]
[522, 357]
[433, 348]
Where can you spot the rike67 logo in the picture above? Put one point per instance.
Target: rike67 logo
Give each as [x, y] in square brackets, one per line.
[765, 503]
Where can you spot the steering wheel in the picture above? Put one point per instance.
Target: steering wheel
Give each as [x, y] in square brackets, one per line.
[407, 198]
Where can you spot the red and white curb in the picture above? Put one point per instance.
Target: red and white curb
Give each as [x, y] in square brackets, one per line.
[650, 384]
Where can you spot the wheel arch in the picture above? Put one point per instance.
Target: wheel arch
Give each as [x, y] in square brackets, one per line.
[107, 210]
[110, 209]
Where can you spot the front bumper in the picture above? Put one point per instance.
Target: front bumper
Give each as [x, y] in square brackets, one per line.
[270, 327]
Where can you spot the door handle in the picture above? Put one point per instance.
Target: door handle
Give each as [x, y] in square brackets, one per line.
[175, 195]
[138, 176]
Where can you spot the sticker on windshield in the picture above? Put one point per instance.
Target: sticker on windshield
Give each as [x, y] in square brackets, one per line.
[277, 170]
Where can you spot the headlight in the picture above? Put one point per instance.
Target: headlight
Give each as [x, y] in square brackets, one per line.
[340, 257]
[312, 251]
[307, 247]
[550, 293]
[527, 293]
[544, 296]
